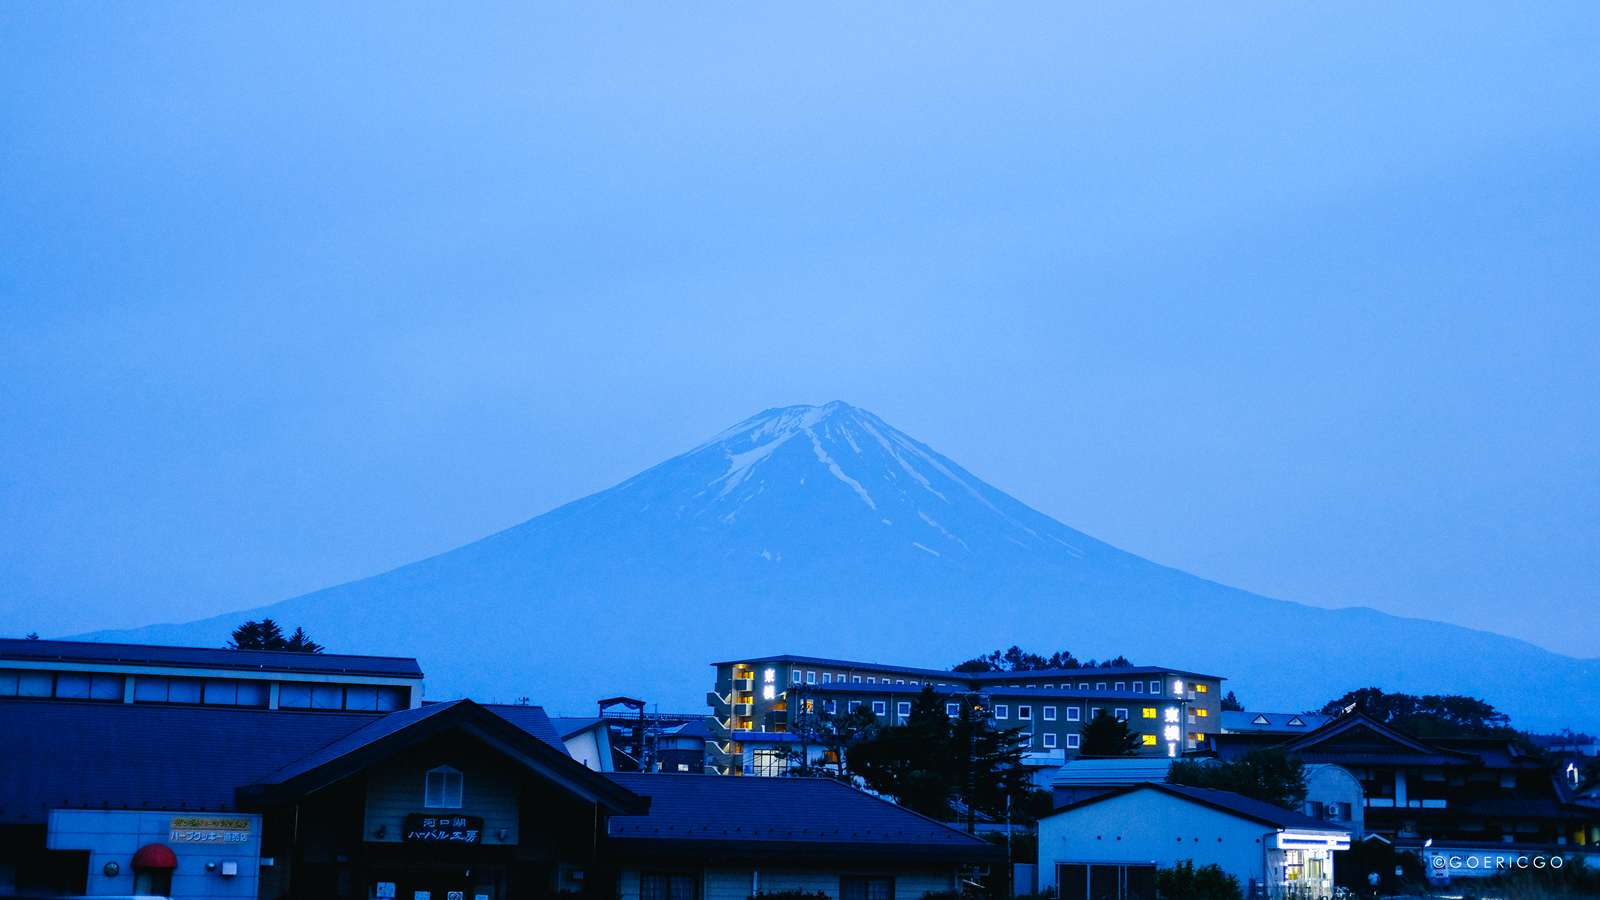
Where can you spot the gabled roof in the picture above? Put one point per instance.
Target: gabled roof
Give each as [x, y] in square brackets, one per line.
[1226, 801]
[397, 731]
[752, 817]
[1358, 739]
[93, 652]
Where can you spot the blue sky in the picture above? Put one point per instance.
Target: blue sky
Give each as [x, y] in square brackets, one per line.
[1300, 298]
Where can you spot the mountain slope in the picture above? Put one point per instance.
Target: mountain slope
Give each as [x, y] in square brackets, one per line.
[825, 531]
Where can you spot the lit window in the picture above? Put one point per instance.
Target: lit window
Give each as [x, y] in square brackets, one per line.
[1072, 714]
[1201, 712]
[1072, 742]
[1138, 687]
[1049, 713]
[1149, 740]
[811, 678]
[1149, 712]
[952, 709]
[1001, 711]
[1201, 688]
[769, 692]
[1099, 685]
[1199, 736]
[1049, 741]
[769, 763]
[903, 708]
[442, 789]
[1122, 685]
[769, 676]
[880, 708]
[1122, 715]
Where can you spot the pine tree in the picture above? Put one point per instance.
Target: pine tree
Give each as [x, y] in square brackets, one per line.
[1107, 735]
[262, 635]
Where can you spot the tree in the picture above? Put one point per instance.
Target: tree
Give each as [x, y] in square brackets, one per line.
[1184, 882]
[266, 635]
[1429, 716]
[1107, 735]
[1016, 659]
[33, 635]
[1266, 774]
[262, 635]
[1232, 703]
[926, 762]
[300, 642]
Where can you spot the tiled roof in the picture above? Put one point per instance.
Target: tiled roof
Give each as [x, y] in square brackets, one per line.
[91, 653]
[1107, 772]
[1225, 800]
[750, 816]
[567, 726]
[126, 755]
[531, 719]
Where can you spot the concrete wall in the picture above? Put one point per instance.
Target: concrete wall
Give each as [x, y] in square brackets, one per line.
[114, 835]
[1334, 784]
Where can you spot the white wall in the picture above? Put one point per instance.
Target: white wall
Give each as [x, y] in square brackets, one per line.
[114, 835]
[1149, 826]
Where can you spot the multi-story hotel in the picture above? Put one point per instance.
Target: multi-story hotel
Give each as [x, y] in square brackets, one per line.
[754, 699]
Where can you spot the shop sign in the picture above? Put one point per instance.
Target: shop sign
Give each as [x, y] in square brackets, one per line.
[430, 829]
[194, 830]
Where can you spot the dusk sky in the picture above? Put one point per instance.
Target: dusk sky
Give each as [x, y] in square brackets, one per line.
[1301, 298]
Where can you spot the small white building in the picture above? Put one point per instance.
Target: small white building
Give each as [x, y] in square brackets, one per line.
[1109, 847]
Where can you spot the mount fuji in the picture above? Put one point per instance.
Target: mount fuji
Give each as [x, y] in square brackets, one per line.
[824, 531]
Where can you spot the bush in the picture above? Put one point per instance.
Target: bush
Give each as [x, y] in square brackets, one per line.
[1184, 882]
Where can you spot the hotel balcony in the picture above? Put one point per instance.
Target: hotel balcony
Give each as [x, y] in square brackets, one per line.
[744, 710]
[744, 684]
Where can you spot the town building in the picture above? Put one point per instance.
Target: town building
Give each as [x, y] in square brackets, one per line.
[193, 797]
[1172, 711]
[1109, 846]
[1455, 796]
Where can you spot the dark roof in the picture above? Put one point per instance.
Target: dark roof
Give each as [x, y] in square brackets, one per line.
[781, 817]
[92, 652]
[996, 690]
[1359, 740]
[138, 756]
[397, 731]
[820, 661]
[1226, 801]
[567, 726]
[533, 720]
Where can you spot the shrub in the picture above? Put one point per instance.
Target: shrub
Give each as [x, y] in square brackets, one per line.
[1184, 882]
